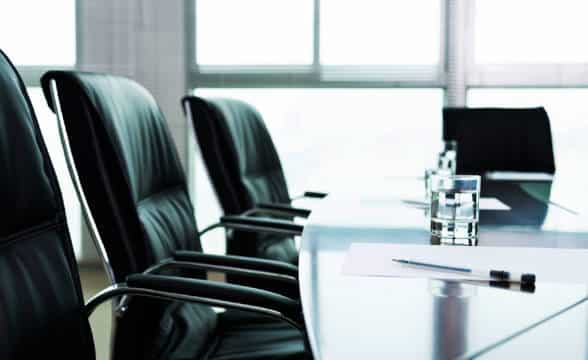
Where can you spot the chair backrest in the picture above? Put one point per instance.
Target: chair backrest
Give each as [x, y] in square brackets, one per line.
[136, 189]
[41, 302]
[239, 153]
[498, 139]
[242, 163]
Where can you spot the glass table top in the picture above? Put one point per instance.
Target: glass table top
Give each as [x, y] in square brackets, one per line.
[351, 316]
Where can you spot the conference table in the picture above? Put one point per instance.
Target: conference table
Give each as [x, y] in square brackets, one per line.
[380, 317]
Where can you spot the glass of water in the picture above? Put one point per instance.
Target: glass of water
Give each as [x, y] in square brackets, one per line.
[455, 206]
[429, 173]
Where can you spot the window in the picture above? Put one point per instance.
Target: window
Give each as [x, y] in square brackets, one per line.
[254, 32]
[379, 32]
[312, 43]
[39, 33]
[322, 134]
[531, 31]
[532, 43]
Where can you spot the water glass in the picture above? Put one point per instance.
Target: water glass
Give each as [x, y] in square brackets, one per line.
[455, 206]
[429, 173]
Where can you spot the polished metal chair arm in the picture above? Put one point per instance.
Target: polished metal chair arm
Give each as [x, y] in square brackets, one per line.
[242, 262]
[220, 291]
[189, 265]
[278, 283]
[278, 210]
[256, 224]
[311, 195]
[172, 292]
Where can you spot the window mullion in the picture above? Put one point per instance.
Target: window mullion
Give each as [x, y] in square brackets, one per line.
[316, 60]
[456, 36]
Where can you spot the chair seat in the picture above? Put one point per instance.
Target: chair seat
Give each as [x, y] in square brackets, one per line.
[242, 335]
[265, 245]
[278, 247]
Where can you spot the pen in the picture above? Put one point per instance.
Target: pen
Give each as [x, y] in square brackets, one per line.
[499, 275]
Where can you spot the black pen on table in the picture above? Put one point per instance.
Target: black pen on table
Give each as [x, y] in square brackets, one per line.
[498, 275]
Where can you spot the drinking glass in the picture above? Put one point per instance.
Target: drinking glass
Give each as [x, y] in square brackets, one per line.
[429, 173]
[455, 209]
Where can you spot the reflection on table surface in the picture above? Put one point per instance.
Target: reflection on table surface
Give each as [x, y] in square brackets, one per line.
[350, 316]
[569, 330]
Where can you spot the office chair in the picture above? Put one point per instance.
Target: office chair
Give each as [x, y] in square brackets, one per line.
[135, 200]
[494, 139]
[42, 310]
[245, 171]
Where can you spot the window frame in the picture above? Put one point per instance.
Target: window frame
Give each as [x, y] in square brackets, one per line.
[519, 75]
[455, 74]
[314, 75]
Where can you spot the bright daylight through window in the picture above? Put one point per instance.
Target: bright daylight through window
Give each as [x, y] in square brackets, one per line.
[52, 39]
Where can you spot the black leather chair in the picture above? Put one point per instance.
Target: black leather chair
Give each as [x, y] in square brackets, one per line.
[134, 192]
[245, 171]
[42, 311]
[495, 139]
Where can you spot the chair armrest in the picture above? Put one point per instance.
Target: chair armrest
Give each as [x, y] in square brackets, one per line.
[219, 291]
[315, 194]
[144, 288]
[257, 224]
[312, 195]
[271, 266]
[277, 283]
[280, 210]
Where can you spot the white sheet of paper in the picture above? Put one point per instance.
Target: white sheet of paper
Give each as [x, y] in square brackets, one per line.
[485, 204]
[549, 265]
